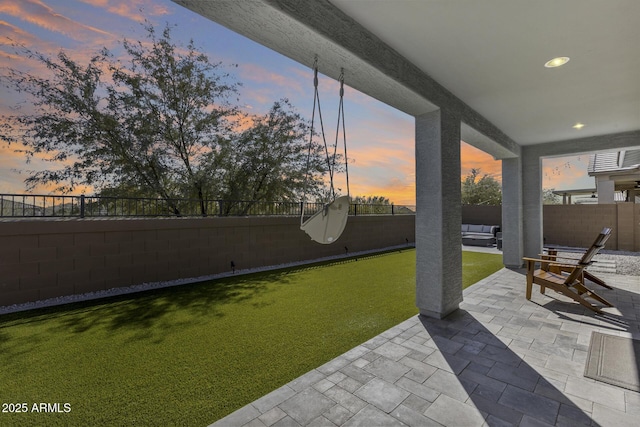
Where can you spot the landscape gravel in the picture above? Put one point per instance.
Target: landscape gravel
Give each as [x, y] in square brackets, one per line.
[627, 263]
[51, 302]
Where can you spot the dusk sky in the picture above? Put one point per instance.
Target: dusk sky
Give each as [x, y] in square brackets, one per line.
[379, 138]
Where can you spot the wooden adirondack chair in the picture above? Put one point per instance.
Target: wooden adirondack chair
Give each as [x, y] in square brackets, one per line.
[567, 279]
[602, 238]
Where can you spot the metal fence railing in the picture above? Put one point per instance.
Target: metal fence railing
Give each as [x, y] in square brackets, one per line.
[35, 205]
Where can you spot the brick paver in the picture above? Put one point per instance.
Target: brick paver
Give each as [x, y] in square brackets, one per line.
[499, 360]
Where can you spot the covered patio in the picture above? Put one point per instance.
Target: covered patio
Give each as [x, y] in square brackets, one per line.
[499, 360]
[472, 71]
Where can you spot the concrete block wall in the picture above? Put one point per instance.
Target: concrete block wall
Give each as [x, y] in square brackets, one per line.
[636, 221]
[482, 214]
[628, 214]
[47, 258]
[575, 225]
[578, 225]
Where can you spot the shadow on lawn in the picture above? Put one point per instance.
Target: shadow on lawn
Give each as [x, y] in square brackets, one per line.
[151, 315]
[349, 259]
[150, 308]
[147, 311]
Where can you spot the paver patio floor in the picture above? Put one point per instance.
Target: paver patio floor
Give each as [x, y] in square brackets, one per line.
[499, 360]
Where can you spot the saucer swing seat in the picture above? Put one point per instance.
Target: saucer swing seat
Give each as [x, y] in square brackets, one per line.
[326, 225]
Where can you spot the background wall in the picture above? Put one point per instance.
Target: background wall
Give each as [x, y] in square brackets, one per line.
[575, 225]
[46, 258]
[482, 215]
[578, 225]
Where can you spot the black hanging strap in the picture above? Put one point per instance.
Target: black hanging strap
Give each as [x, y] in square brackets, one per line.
[331, 160]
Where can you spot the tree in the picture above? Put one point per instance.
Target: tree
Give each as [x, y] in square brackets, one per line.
[549, 198]
[370, 200]
[156, 122]
[270, 160]
[483, 191]
[378, 205]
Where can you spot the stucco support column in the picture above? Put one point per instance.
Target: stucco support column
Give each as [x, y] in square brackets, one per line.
[606, 190]
[532, 203]
[512, 218]
[438, 214]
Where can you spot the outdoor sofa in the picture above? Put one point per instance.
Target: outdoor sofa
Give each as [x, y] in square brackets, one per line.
[479, 235]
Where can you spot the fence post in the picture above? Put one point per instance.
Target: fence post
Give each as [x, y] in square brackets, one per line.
[392, 210]
[82, 206]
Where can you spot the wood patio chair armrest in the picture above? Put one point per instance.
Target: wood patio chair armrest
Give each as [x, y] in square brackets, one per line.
[551, 255]
[561, 257]
[572, 259]
[550, 262]
[531, 262]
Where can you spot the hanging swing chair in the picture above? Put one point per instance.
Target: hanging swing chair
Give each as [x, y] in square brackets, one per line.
[326, 225]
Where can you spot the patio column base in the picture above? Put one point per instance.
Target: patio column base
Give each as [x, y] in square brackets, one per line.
[437, 314]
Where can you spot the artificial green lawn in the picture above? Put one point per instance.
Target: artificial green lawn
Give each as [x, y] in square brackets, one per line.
[190, 355]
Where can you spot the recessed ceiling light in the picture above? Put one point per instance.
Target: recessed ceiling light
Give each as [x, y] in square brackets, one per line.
[557, 62]
[578, 125]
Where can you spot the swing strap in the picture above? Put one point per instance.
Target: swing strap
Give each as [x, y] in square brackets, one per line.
[331, 160]
[316, 102]
[344, 131]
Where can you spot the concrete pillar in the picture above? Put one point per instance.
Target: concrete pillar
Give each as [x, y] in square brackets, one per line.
[438, 214]
[532, 203]
[512, 247]
[606, 190]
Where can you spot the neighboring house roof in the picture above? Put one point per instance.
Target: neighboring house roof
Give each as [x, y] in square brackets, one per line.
[587, 195]
[617, 161]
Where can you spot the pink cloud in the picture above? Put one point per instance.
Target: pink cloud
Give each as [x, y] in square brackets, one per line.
[12, 35]
[264, 87]
[260, 74]
[473, 158]
[11, 163]
[399, 189]
[566, 172]
[136, 10]
[14, 170]
[383, 170]
[16, 34]
[38, 13]
[380, 155]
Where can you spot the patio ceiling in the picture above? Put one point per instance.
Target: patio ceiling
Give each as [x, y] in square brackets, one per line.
[491, 54]
[483, 60]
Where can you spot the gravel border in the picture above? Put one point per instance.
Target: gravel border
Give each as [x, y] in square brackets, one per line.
[627, 262]
[90, 296]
